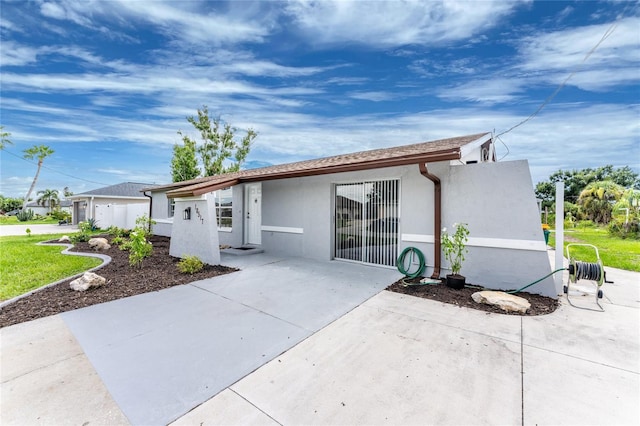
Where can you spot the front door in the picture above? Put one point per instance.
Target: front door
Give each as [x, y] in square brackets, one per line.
[253, 213]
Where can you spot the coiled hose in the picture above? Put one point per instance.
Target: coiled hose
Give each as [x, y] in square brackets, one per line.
[401, 262]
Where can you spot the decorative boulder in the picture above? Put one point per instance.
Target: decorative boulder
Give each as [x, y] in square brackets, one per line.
[99, 243]
[506, 302]
[64, 239]
[87, 280]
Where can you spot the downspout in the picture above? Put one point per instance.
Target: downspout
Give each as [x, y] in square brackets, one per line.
[437, 218]
[150, 208]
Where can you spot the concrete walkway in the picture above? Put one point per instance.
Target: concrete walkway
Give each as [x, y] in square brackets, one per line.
[7, 230]
[394, 359]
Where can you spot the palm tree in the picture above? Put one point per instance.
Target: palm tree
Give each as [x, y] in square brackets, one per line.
[40, 152]
[4, 138]
[49, 196]
[597, 199]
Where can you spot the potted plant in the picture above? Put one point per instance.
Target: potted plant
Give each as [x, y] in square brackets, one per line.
[454, 249]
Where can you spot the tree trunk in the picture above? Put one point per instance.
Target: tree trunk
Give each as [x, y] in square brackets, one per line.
[33, 184]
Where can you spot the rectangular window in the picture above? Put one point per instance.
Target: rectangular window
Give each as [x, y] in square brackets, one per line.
[171, 207]
[224, 208]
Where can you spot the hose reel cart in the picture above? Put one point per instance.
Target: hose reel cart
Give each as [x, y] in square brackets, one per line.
[579, 270]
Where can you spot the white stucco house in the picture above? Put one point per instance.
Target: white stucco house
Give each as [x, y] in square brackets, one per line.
[118, 205]
[366, 207]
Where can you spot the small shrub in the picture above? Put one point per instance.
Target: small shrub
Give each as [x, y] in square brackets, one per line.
[619, 228]
[93, 224]
[61, 215]
[143, 224]
[84, 235]
[117, 240]
[28, 231]
[190, 265]
[25, 215]
[140, 248]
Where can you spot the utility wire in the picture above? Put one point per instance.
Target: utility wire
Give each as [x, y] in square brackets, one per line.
[605, 36]
[51, 169]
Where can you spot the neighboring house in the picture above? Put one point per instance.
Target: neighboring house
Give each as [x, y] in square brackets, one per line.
[367, 207]
[43, 210]
[116, 205]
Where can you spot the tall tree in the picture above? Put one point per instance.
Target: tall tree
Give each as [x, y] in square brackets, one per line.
[48, 197]
[597, 199]
[66, 192]
[40, 152]
[184, 164]
[577, 180]
[4, 138]
[219, 152]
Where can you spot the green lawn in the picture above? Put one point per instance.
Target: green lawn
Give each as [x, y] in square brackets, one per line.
[12, 220]
[614, 252]
[25, 266]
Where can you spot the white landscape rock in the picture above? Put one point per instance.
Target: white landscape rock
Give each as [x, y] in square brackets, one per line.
[64, 239]
[506, 302]
[86, 281]
[99, 243]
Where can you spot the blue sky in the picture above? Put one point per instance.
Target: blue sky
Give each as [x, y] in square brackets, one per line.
[107, 84]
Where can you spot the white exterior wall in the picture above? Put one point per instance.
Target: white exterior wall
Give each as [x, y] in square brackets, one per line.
[496, 200]
[160, 214]
[197, 236]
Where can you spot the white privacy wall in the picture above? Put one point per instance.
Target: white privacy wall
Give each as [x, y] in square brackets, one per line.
[197, 236]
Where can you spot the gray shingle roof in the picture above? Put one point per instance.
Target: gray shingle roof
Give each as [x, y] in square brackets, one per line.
[61, 203]
[125, 189]
[439, 150]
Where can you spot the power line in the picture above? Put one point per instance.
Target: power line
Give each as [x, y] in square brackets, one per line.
[606, 35]
[53, 170]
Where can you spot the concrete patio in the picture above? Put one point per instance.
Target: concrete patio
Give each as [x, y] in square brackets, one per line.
[299, 342]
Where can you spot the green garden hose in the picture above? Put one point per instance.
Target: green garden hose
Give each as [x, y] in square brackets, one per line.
[536, 282]
[421, 265]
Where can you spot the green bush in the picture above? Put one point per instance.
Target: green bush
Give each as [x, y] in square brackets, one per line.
[25, 215]
[61, 215]
[190, 265]
[143, 224]
[92, 223]
[140, 247]
[619, 228]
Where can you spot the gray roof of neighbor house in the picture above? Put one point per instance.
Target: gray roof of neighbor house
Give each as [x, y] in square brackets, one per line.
[61, 203]
[425, 152]
[120, 190]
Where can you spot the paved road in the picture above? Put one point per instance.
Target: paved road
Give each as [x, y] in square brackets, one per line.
[6, 230]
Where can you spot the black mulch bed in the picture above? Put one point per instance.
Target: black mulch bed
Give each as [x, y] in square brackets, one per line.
[157, 272]
[540, 305]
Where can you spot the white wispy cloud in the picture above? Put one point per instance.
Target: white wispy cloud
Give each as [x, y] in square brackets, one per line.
[385, 24]
[374, 96]
[566, 50]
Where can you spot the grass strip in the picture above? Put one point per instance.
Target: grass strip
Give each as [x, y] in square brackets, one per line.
[615, 252]
[25, 266]
[12, 220]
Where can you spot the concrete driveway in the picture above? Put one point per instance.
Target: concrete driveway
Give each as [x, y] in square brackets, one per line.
[281, 343]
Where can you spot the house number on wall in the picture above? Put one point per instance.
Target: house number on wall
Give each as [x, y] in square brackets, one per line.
[199, 215]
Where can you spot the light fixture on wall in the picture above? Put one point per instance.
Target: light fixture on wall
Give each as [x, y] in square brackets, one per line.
[186, 214]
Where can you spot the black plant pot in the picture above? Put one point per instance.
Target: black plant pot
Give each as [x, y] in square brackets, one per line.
[456, 281]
